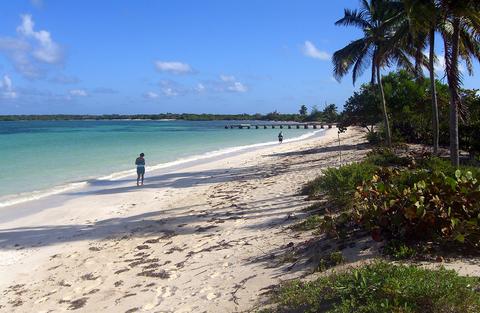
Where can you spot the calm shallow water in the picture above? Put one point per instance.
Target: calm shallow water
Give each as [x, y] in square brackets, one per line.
[37, 155]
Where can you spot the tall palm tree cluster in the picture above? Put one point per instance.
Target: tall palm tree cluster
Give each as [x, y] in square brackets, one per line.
[398, 33]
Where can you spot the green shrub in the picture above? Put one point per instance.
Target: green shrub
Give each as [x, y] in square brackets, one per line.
[374, 138]
[382, 287]
[335, 258]
[386, 157]
[338, 184]
[437, 206]
[398, 250]
[310, 223]
[435, 164]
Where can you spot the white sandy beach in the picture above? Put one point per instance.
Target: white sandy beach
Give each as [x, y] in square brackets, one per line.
[210, 237]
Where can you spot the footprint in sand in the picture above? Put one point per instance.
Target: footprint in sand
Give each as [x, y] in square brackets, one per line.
[212, 295]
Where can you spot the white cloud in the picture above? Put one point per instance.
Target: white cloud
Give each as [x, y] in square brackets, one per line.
[170, 88]
[230, 83]
[311, 51]
[6, 88]
[46, 50]
[151, 95]
[169, 92]
[30, 49]
[173, 67]
[78, 93]
[237, 87]
[225, 83]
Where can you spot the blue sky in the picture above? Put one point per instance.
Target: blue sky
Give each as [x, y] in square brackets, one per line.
[144, 56]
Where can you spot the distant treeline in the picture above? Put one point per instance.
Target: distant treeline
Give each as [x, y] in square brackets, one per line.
[184, 116]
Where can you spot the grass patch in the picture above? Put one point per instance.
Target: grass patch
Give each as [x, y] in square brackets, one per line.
[310, 223]
[338, 184]
[382, 287]
[335, 258]
[398, 250]
[386, 157]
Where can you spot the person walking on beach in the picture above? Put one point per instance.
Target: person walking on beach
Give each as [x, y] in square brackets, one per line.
[140, 163]
[280, 137]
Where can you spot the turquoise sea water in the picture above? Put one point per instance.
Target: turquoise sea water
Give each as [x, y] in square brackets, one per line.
[38, 155]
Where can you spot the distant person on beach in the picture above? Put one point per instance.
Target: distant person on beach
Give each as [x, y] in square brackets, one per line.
[140, 163]
[280, 137]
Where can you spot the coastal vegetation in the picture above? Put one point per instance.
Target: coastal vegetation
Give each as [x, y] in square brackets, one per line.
[381, 287]
[329, 114]
[418, 200]
[395, 34]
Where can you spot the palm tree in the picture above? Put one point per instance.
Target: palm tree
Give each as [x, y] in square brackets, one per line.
[420, 26]
[461, 37]
[378, 19]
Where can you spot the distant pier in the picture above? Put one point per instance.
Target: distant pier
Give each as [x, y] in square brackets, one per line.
[313, 125]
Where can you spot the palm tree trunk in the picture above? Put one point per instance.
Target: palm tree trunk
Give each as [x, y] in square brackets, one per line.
[433, 91]
[453, 82]
[388, 138]
[372, 80]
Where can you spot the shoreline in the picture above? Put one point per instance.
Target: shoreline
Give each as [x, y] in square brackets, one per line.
[203, 236]
[7, 201]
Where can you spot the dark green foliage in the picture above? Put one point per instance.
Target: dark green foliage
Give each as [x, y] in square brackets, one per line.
[412, 205]
[386, 157]
[398, 250]
[273, 116]
[380, 288]
[310, 223]
[335, 258]
[303, 110]
[362, 109]
[338, 184]
[329, 114]
[470, 139]
[374, 138]
[409, 104]
[436, 165]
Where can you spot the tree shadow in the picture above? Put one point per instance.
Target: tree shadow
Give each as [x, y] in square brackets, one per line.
[327, 149]
[180, 221]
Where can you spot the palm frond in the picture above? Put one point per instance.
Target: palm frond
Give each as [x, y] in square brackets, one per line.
[353, 18]
[345, 58]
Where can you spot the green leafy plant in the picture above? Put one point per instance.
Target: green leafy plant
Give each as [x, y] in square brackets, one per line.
[335, 258]
[374, 137]
[398, 250]
[439, 207]
[338, 184]
[310, 223]
[386, 157]
[382, 287]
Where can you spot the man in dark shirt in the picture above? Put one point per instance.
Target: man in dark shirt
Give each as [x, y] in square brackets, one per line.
[140, 163]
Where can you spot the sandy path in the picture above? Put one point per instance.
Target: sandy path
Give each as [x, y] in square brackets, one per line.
[209, 238]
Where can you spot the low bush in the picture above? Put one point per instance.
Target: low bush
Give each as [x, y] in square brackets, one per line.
[405, 205]
[338, 184]
[386, 157]
[436, 165]
[382, 287]
[374, 138]
[310, 223]
[398, 250]
[335, 258]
